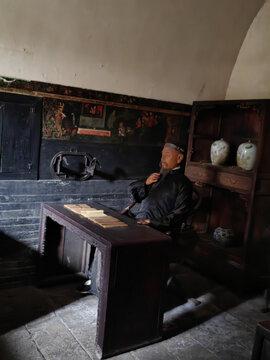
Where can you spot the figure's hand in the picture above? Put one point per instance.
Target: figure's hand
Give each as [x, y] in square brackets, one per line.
[152, 178]
[144, 222]
[199, 184]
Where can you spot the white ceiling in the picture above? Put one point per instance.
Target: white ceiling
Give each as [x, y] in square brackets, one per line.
[175, 50]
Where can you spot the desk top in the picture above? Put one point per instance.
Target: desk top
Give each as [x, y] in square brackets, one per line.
[116, 236]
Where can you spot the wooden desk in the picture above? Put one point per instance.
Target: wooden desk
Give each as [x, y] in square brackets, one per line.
[133, 273]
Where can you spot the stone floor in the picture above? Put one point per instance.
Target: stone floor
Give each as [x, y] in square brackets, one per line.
[57, 323]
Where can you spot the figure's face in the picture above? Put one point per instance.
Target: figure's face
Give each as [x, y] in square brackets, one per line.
[170, 158]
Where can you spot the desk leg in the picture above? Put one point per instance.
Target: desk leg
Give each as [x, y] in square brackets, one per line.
[130, 305]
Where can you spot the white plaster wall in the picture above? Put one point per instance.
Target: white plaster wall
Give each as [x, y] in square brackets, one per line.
[250, 78]
[176, 50]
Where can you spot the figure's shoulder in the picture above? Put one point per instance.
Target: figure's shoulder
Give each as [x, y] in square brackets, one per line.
[179, 177]
[179, 173]
[137, 182]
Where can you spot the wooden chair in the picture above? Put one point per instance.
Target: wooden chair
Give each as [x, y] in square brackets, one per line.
[187, 239]
[266, 248]
[261, 347]
[181, 246]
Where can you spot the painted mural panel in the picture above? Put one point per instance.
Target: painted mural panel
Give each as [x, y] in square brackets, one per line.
[95, 123]
[60, 119]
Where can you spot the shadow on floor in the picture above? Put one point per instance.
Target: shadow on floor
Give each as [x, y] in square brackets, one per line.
[25, 294]
[181, 313]
[22, 305]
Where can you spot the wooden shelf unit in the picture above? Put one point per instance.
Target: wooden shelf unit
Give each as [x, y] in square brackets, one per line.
[232, 197]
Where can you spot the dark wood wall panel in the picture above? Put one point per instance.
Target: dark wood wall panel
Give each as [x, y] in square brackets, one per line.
[118, 162]
[20, 125]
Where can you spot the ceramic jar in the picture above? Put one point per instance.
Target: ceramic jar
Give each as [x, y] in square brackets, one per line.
[246, 155]
[223, 236]
[219, 152]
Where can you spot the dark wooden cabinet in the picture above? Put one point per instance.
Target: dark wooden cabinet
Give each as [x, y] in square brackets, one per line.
[233, 198]
[20, 124]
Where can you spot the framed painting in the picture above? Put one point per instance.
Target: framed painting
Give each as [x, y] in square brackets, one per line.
[92, 110]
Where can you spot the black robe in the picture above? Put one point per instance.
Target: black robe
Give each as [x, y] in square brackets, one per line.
[166, 203]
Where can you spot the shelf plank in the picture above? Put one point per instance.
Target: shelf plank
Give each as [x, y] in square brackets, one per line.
[231, 255]
[231, 178]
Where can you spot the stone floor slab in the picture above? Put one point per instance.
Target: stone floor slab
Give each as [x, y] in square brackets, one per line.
[184, 347]
[225, 336]
[55, 341]
[152, 352]
[18, 344]
[249, 313]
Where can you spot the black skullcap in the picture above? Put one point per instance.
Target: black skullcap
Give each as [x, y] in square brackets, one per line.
[175, 147]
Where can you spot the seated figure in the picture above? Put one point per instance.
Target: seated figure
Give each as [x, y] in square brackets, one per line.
[164, 199]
